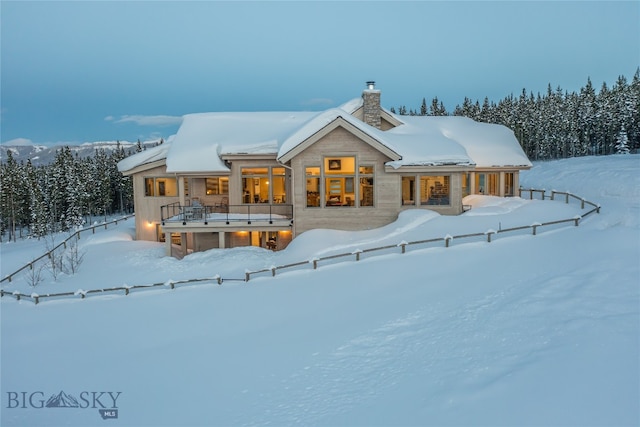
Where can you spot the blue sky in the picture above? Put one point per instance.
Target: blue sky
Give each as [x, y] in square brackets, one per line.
[80, 71]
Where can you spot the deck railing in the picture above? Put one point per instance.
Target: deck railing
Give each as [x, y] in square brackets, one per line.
[227, 214]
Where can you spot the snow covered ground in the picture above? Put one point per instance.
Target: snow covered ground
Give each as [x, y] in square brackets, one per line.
[525, 330]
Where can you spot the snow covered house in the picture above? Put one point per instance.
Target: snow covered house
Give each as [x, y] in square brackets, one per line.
[262, 178]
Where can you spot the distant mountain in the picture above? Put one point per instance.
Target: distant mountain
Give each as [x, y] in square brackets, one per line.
[62, 400]
[44, 155]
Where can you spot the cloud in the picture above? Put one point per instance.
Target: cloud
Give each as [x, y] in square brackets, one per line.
[18, 142]
[141, 120]
[317, 101]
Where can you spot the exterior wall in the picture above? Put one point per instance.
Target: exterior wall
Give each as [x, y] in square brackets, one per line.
[147, 208]
[340, 142]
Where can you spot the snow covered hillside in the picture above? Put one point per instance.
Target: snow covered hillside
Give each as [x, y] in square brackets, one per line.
[525, 330]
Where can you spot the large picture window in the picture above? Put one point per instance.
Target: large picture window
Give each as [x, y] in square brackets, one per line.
[160, 187]
[264, 185]
[340, 175]
[435, 190]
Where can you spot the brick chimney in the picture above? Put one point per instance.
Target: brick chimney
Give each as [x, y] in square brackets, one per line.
[371, 97]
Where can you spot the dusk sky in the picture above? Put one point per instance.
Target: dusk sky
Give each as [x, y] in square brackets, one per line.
[80, 71]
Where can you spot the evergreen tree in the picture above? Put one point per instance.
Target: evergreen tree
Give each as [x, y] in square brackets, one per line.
[39, 224]
[622, 142]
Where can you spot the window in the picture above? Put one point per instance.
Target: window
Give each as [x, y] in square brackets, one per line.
[160, 187]
[340, 181]
[466, 184]
[279, 190]
[509, 180]
[487, 183]
[434, 190]
[313, 186]
[366, 185]
[217, 185]
[264, 185]
[408, 190]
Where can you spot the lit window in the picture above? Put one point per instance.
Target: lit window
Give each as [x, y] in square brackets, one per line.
[509, 181]
[217, 185]
[366, 185]
[339, 181]
[264, 185]
[434, 190]
[487, 183]
[408, 190]
[313, 186]
[160, 187]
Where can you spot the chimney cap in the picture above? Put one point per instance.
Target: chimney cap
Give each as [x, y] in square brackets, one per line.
[371, 84]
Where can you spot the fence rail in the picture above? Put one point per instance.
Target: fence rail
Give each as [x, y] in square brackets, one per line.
[75, 235]
[356, 255]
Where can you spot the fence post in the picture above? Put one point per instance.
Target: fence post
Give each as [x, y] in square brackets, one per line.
[219, 280]
[273, 271]
[247, 276]
[531, 194]
[581, 203]
[489, 233]
[403, 246]
[576, 219]
[315, 264]
[534, 229]
[446, 241]
[566, 198]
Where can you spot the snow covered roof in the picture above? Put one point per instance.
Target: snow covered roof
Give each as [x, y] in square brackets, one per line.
[144, 157]
[204, 138]
[446, 140]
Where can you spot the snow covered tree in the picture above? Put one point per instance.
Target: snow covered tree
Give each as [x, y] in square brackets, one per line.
[622, 142]
[39, 224]
[423, 107]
